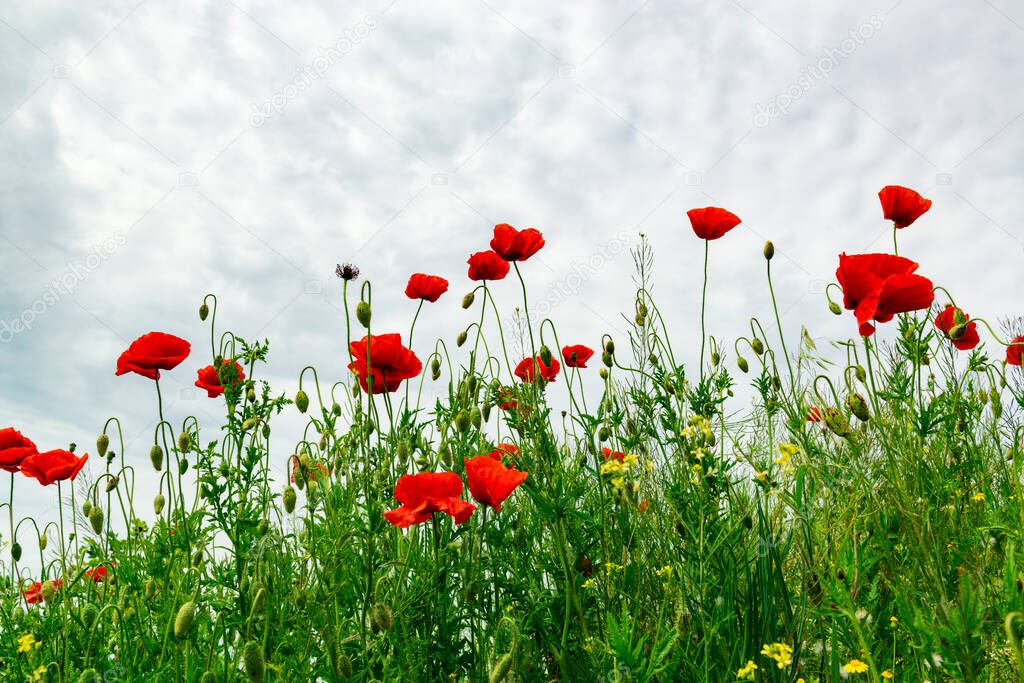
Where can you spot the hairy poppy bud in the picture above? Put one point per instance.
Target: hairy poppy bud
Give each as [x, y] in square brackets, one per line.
[834, 307]
[501, 668]
[302, 401]
[741, 362]
[435, 369]
[42, 541]
[86, 507]
[474, 417]
[609, 346]
[96, 518]
[197, 558]
[467, 300]
[858, 406]
[102, 444]
[183, 620]
[486, 412]
[545, 354]
[204, 311]
[158, 503]
[716, 358]
[89, 676]
[250, 395]
[182, 466]
[363, 314]
[289, 498]
[860, 373]
[837, 423]
[380, 618]
[89, 614]
[461, 339]
[757, 346]
[156, 456]
[603, 373]
[606, 358]
[184, 442]
[336, 409]
[769, 250]
[112, 483]
[16, 551]
[602, 434]
[48, 591]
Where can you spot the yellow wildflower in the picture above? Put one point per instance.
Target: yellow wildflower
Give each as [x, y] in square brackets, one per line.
[664, 571]
[887, 675]
[855, 666]
[746, 673]
[978, 497]
[27, 642]
[780, 652]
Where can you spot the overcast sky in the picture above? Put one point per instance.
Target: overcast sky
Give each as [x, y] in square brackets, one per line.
[152, 152]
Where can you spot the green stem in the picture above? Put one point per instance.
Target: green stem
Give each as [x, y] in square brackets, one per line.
[703, 303]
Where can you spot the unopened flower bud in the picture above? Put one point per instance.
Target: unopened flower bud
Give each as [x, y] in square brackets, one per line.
[156, 456]
[48, 591]
[602, 434]
[462, 421]
[16, 551]
[742, 363]
[158, 503]
[609, 346]
[858, 406]
[86, 507]
[250, 395]
[716, 358]
[380, 618]
[603, 373]
[204, 311]
[363, 314]
[757, 345]
[345, 666]
[435, 369]
[769, 250]
[112, 483]
[289, 498]
[860, 373]
[467, 300]
[501, 669]
[184, 442]
[474, 417]
[461, 339]
[545, 354]
[606, 358]
[102, 444]
[183, 620]
[42, 541]
[302, 401]
[834, 307]
[96, 518]
[89, 614]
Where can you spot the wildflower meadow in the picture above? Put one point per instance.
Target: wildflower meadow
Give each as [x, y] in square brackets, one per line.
[785, 510]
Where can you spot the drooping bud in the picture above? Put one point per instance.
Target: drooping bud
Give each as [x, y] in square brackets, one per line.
[474, 417]
[603, 373]
[602, 434]
[834, 307]
[158, 503]
[16, 551]
[742, 363]
[48, 591]
[42, 541]
[609, 347]
[435, 369]
[89, 614]
[380, 618]
[156, 456]
[461, 339]
[345, 666]
[289, 498]
[363, 314]
[204, 311]
[769, 250]
[86, 507]
[858, 406]
[606, 358]
[336, 409]
[112, 483]
[757, 345]
[302, 401]
[96, 518]
[860, 373]
[182, 466]
[183, 620]
[102, 444]
[837, 423]
[501, 669]
[545, 354]
[716, 358]
[467, 300]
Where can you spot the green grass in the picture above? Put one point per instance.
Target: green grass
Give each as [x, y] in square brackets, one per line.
[738, 525]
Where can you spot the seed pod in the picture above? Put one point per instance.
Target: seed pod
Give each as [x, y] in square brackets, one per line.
[467, 300]
[834, 307]
[501, 668]
[16, 551]
[183, 620]
[184, 442]
[252, 656]
[363, 314]
[158, 503]
[301, 401]
[289, 498]
[757, 345]
[380, 618]
[102, 444]
[89, 614]
[96, 518]
[769, 250]
[858, 406]
[156, 456]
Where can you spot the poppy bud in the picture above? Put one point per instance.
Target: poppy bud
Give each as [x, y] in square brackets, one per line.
[96, 519]
[184, 442]
[363, 314]
[156, 456]
[86, 507]
[336, 409]
[102, 444]
[16, 551]
[289, 498]
[89, 614]
[182, 466]
[250, 395]
[204, 311]
[603, 373]
[158, 503]
[380, 618]
[769, 250]
[301, 401]
[183, 620]
[757, 346]
[461, 339]
[837, 423]
[545, 354]
[858, 406]
[716, 358]
[467, 300]
[474, 417]
[435, 369]
[48, 591]
[501, 668]
[602, 434]
[197, 558]
[42, 541]
[89, 676]
[834, 307]
[112, 483]
[741, 362]
[860, 373]
[152, 588]
[983, 397]
[606, 358]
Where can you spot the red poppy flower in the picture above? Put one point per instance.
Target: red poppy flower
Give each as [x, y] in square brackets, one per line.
[426, 287]
[516, 245]
[487, 265]
[966, 335]
[502, 450]
[609, 454]
[34, 593]
[389, 362]
[643, 506]
[901, 205]
[14, 448]
[98, 574]
[153, 352]
[53, 466]
[527, 367]
[584, 566]
[1015, 351]
[210, 380]
[307, 469]
[507, 399]
[878, 286]
[711, 222]
[490, 481]
[814, 415]
[576, 356]
[421, 495]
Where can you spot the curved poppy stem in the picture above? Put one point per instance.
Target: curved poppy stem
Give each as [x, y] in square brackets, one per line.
[526, 313]
[703, 304]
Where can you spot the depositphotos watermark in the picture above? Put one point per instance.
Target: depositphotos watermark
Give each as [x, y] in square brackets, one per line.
[307, 74]
[64, 286]
[812, 74]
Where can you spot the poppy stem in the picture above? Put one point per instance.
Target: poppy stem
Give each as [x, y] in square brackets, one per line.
[895, 246]
[778, 323]
[703, 303]
[526, 313]
[10, 514]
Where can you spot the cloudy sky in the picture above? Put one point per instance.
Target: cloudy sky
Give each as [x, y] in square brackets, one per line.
[152, 152]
